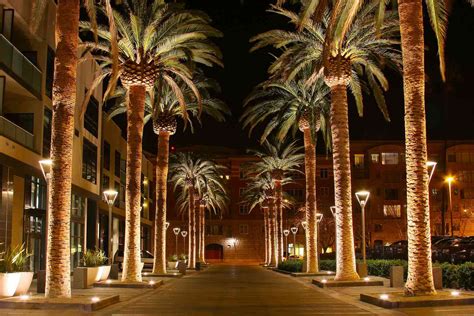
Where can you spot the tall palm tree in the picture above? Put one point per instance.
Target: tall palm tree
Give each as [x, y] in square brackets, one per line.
[190, 176]
[291, 106]
[58, 274]
[186, 103]
[149, 41]
[279, 160]
[360, 53]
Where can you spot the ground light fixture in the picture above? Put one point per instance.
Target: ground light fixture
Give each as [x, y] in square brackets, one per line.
[110, 196]
[362, 198]
[151, 282]
[176, 231]
[455, 293]
[431, 168]
[24, 297]
[366, 279]
[324, 281]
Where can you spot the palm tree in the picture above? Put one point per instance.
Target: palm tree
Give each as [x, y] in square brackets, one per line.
[361, 52]
[190, 176]
[291, 106]
[148, 42]
[259, 192]
[279, 160]
[186, 103]
[58, 267]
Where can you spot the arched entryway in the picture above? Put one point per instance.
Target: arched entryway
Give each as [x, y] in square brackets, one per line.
[214, 252]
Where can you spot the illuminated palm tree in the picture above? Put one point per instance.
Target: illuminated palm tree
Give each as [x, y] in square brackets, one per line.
[278, 160]
[359, 54]
[148, 42]
[286, 107]
[190, 176]
[186, 103]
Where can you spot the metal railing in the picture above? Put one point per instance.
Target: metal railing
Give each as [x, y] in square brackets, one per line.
[19, 66]
[16, 133]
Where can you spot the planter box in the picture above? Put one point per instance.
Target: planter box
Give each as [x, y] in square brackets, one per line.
[171, 265]
[87, 276]
[25, 282]
[9, 283]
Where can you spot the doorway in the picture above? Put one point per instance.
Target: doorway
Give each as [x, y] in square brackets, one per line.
[214, 252]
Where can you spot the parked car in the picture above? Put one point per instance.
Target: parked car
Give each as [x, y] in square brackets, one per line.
[441, 251]
[397, 250]
[464, 253]
[147, 259]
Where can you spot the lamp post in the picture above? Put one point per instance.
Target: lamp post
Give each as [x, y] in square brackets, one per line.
[294, 230]
[362, 198]
[431, 168]
[46, 165]
[184, 234]
[286, 232]
[167, 224]
[109, 197]
[176, 231]
[450, 180]
[319, 218]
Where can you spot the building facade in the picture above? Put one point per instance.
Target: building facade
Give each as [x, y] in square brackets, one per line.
[99, 149]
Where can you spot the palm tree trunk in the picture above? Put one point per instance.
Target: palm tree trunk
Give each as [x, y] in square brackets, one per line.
[201, 239]
[203, 235]
[265, 228]
[271, 222]
[161, 174]
[346, 267]
[135, 113]
[312, 265]
[420, 277]
[58, 275]
[279, 221]
[192, 229]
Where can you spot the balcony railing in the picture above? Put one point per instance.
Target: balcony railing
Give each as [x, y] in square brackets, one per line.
[19, 67]
[16, 133]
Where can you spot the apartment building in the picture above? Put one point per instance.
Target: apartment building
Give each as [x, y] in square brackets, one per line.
[99, 148]
[376, 166]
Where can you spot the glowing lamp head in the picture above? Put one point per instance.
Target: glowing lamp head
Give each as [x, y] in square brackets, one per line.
[184, 233]
[294, 230]
[46, 165]
[333, 210]
[167, 224]
[449, 179]
[319, 217]
[304, 224]
[176, 230]
[110, 196]
[286, 232]
[362, 197]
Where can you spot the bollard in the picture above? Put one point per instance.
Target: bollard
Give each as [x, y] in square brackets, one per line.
[396, 276]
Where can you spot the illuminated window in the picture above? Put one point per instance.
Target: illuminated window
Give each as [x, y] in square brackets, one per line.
[389, 158]
[359, 161]
[374, 158]
[394, 210]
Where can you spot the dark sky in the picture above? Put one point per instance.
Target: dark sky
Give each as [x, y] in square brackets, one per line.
[450, 106]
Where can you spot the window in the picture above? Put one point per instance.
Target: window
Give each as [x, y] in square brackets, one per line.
[390, 210]
[389, 158]
[467, 193]
[78, 209]
[214, 229]
[378, 228]
[391, 194]
[374, 158]
[47, 121]
[297, 194]
[106, 155]
[105, 183]
[359, 161]
[117, 164]
[123, 171]
[464, 157]
[24, 120]
[48, 89]
[35, 193]
[323, 173]
[89, 161]
[243, 229]
[465, 176]
[243, 209]
[91, 117]
[324, 191]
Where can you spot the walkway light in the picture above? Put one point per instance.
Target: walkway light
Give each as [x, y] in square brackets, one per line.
[176, 231]
[167, 224]
[110, 196]
[362, 198]
[333, 211]
[294, 230]
[431, 168]
[46, 165]
[184, 234]
[450, 180]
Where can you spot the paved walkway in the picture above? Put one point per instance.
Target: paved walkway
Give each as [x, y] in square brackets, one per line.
[238, 290]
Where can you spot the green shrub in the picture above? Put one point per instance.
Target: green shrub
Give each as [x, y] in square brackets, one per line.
[291, 265]
[382, 267]
[183, 256]
[173, 258]
[466, 276]
[94, 258]
[327, 265]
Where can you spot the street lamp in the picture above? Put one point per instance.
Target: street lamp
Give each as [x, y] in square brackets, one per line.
[362, 198]
[333, 211]
[319, 218]
[176, 231]
[109, 197]
[286, 232]
[450, 180]
[431, 168]
[294, 230]
[184, 234]
[167, 224]
[46, 166]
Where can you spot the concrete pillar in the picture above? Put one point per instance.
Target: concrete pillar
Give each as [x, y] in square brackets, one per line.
[396, 276]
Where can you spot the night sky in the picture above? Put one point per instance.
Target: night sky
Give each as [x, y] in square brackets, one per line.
[449, 106]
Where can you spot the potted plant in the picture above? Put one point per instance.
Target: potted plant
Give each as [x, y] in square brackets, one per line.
[14, 277]
[93, 269]
[172, 262]
[183, 257]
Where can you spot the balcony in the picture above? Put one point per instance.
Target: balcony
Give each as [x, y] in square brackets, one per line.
[16, 133]
[15, 64]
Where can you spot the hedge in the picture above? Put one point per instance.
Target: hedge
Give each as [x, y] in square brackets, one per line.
[454, 275]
